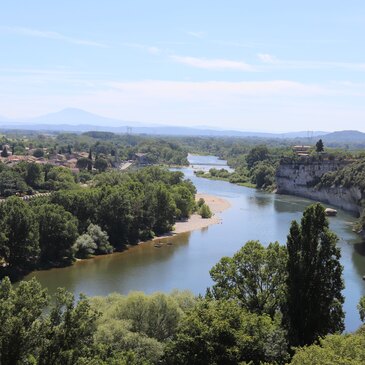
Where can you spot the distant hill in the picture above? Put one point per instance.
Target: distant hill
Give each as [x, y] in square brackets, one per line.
[344, 137]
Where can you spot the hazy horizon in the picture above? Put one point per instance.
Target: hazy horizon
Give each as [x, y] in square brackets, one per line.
[245, 66]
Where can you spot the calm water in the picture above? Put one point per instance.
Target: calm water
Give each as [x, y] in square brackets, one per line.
[186, 263]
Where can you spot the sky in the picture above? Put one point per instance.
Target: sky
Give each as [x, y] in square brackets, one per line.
[274, 65]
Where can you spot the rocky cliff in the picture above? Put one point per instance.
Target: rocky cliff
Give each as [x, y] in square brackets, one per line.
[302, 176]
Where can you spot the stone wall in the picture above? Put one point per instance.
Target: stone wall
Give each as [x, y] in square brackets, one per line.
[300, 177]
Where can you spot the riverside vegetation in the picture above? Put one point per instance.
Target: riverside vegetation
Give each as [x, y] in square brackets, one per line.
[253, 314]
[117, 209]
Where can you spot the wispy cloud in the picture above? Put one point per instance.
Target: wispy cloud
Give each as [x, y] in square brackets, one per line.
[199, 35]
[272, 62]
[213, 64]
[30, 32]
[267, 58]
[150, 49]
[182, 90]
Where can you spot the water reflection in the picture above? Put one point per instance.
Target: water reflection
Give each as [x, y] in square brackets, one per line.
[261, 201]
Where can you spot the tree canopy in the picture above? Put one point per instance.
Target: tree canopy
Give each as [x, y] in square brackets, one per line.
[255, 277]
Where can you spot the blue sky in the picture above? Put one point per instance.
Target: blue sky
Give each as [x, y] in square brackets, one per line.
[248, 65]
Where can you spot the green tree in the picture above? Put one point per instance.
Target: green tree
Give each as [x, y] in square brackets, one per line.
[221, 332]
[205, 211]
[255, 277]
[68, 331]
[314, 299]
[263, 174]
[83, 204]
[83, 163]
[20, 317]
[101, 164]
[256, 154]
[100, 238]
[84, 246]
[11, 183]
[33, 175]
[59, 178]
[90, 158]
[38, 152]
[184, 201]
[31, 332]
[319, 146]
[4, 152]
[361, 308]
[140, 323]
[334, 350]
[115, 215]
[19, 241]
[160, 207]
[57, 233]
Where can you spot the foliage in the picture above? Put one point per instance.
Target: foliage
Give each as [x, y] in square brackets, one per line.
[68, 330]
[263, 174]
[11, 183]
[20, 318]
[347, 177]
[100, 238]
[28, 335]
[200, 202]
[335, 350]
[257, 154]
[319, 146]
[361, 308]
[84, 246]
[19, 234]
[38, 152]
[184, 201]
[254, 277]
[205, 211]
[221, 332]
[83, 163]
[57, 233]
[59, 178]
[314, 298]
[140, 323]
[4, 152]
[101, 164]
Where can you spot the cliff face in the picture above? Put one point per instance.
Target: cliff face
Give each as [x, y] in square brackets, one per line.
[300, 178]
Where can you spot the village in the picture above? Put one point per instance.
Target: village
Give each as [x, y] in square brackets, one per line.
[71, 160]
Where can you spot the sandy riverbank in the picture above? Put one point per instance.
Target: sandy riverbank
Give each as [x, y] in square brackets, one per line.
[217, 205]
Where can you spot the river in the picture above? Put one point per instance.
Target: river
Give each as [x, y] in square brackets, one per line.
[253, 215]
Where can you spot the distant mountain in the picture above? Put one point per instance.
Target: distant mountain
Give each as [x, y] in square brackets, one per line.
[78, 120]
[74, 117]
[344, 137]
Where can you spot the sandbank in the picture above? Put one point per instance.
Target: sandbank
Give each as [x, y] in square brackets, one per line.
[217, 205]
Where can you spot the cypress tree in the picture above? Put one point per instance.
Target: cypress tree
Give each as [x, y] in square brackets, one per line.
[314, 284]
[319, 146]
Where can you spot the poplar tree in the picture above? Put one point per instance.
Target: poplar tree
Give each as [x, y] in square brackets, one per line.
[319, 146]
[314, 284]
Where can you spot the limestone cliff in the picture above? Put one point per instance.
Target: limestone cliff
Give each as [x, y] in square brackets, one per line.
[300, 177]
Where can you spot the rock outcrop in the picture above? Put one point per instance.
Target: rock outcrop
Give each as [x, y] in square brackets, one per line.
[301, 178]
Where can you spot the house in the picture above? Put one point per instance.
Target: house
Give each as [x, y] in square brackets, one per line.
[302, 150]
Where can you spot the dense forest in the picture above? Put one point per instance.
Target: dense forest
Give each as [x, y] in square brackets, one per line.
[115, 210]
[267, 305]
